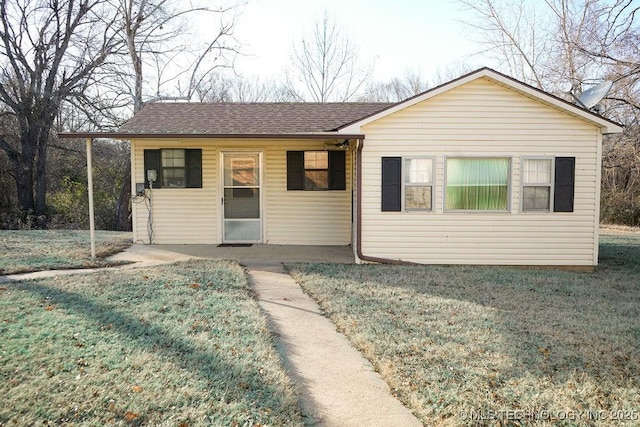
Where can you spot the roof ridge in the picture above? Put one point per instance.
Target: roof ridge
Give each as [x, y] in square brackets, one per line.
[250, 118]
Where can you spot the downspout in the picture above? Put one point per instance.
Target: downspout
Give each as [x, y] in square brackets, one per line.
[359, 254]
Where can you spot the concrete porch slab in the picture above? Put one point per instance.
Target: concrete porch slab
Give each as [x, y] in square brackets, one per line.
[258, 254]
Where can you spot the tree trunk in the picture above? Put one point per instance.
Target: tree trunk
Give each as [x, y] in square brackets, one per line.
[24, 164]
[41, 176]
[24, 188]
[30, 165]
[123, 208]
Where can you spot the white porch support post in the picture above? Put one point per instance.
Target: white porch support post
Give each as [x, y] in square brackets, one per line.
[92, 227]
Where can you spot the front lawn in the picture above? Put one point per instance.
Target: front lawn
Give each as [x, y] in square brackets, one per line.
[485, 345]
[33, 250]
[178, 345]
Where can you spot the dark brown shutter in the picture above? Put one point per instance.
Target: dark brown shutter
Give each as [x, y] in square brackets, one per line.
[193, 164]
[337, 170]
[295, 170]
[391, 184]
[565, 171]
[152, 161]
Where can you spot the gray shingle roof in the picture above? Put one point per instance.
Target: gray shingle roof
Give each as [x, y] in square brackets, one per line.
[247, 118]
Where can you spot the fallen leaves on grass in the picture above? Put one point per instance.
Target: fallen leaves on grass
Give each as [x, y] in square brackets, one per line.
[545, 352]
[130, 416]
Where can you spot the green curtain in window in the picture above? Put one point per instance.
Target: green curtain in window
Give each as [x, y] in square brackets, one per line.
[477, 184]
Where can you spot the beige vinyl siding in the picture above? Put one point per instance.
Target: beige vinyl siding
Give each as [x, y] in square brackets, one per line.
[305, 217]
[180, 215]
[193, 215]
[482, 118]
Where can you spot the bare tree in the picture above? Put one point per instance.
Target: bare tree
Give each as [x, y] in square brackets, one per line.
[412, 83]
[223, 88]
[608, 36]
[164, 53]
[161, 50]
[49, 52]
[396, 89]
[513, 32]
[576, 44]
[326, 66]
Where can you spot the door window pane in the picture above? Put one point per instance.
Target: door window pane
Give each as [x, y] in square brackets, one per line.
[241, 203]
[242, 231]
[241, 170]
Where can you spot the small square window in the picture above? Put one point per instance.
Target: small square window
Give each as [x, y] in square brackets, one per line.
[316, 160]
[316, 170]
[417, 197]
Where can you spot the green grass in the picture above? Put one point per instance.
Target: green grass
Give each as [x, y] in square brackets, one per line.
[179, 345]
[33, 250]
[460, 342]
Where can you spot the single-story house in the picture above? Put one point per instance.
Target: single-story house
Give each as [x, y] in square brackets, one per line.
[483, 169]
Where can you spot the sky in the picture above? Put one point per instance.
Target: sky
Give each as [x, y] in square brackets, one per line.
[399, 36]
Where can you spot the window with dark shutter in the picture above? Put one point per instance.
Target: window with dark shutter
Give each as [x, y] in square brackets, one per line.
[316, 170]
[391, 184]
[175, 168]
[564, 186]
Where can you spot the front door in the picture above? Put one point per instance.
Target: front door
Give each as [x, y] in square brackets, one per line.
[242, 213]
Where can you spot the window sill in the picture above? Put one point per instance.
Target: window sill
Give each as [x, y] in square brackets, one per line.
[471, 211]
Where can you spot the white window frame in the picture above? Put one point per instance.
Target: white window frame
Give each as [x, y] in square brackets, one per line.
[432, 184]
[174, 168]
[326, 154]
[551, 184]
[475, 211]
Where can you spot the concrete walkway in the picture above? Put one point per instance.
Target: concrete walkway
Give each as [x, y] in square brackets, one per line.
[136, 256]
[338, 386]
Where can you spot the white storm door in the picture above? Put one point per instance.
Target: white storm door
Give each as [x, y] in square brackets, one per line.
[241, 198]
